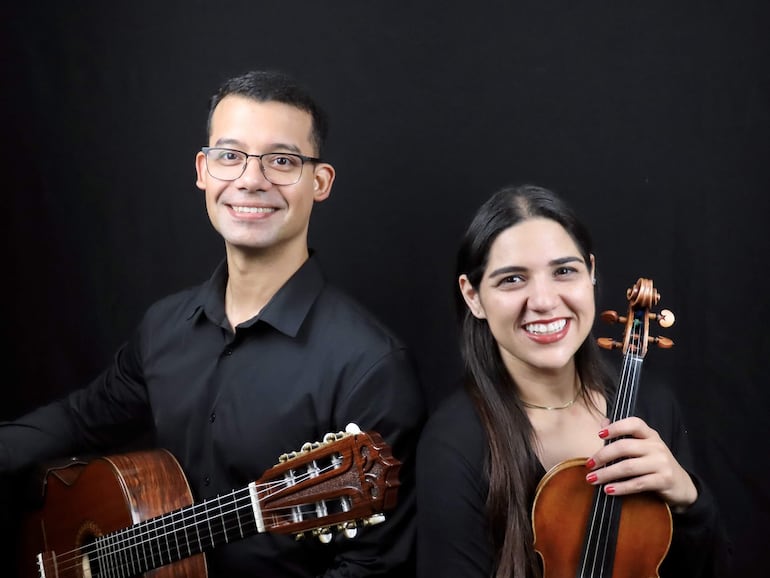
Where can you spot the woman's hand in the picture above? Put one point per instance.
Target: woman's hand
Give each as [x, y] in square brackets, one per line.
[639, 461]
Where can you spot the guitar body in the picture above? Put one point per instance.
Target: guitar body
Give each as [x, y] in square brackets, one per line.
[109, 493]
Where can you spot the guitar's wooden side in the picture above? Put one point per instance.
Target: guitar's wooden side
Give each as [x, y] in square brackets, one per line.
[106, 495]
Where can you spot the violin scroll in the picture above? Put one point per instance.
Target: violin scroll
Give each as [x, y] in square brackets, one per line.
[641, 297]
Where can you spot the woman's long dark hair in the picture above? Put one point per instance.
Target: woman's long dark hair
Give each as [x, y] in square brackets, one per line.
[512, 465]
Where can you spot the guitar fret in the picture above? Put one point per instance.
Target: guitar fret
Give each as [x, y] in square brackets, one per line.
[237, 515]
[195, 527]
[132, 546]
[121, 552]
[175, 532]
[154, 543]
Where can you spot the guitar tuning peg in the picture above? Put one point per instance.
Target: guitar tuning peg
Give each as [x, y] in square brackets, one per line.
[349, 529]
[324, 535]
[352, 429]
[310, 446]
[374, 520]
[288, 456]
[333, 437]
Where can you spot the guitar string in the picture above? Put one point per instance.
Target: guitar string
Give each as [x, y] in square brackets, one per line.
[265, 490]
[623, 408]
[94, 548]
[199, 507]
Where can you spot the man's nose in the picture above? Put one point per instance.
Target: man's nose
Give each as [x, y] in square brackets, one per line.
[253, 177]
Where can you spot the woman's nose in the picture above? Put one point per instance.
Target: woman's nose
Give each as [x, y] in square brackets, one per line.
[543, 294]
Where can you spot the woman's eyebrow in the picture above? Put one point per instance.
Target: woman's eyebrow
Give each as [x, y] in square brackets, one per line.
[507, 270]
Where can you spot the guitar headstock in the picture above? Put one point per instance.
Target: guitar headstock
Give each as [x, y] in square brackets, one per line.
[345, 481]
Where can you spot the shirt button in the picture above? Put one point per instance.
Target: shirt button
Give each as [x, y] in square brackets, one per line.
[206, 480]
[212, 417]
[228, 351]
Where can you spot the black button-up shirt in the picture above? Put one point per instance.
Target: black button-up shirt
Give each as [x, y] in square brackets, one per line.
[227, 404]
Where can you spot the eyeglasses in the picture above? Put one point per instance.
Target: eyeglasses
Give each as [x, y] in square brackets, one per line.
[279, 168]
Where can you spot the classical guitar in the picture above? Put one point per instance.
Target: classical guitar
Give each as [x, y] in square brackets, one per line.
[132, 514]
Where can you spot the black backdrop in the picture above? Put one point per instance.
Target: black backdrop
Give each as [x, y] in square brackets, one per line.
[651, 118]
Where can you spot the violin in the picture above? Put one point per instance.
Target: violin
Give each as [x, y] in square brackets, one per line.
[580, 531]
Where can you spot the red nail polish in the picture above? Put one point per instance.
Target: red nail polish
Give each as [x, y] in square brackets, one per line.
[604, 433]
[590, 464]
[609, 489]
[591, 478]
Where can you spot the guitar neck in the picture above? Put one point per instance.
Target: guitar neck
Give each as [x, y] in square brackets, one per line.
[179, 534]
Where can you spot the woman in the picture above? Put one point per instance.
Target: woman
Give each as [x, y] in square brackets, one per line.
[536, 393]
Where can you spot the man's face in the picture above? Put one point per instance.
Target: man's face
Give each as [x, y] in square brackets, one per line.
[251, 213]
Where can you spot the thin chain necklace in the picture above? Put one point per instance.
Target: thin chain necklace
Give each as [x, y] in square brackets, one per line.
[552, 407]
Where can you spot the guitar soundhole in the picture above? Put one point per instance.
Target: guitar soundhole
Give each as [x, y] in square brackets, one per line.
[87, 540]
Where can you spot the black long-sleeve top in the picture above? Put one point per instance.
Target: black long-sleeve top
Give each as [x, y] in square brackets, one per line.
[227, 405]
[452, 487]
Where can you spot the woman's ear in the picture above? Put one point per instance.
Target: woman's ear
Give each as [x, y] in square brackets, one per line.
[471, 297]
[593, 269]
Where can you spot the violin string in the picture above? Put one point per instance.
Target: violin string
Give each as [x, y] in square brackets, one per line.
[604, 506]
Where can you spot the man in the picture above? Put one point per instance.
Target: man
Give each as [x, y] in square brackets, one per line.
[262, 357]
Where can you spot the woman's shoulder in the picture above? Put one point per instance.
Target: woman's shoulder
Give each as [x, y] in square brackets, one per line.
[454, 423]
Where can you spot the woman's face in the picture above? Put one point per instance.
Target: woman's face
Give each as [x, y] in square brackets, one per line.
[537, 296]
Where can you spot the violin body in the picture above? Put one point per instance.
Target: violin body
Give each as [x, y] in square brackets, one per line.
[563, 510]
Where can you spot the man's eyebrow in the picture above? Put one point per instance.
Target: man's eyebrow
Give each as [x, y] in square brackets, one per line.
[519, 269]
[231, 142]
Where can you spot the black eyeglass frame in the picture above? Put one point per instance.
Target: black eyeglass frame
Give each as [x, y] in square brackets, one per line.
[305, 159]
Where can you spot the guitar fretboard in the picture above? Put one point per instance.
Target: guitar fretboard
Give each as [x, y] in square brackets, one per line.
[171, 537]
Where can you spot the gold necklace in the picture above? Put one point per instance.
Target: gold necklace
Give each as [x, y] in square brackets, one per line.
[551, 407]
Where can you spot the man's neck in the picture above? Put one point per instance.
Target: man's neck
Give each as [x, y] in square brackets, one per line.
[254, 277]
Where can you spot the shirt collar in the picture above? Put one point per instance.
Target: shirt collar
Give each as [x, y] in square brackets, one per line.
[287, 309]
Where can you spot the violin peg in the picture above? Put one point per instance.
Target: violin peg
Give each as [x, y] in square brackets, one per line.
[608, 343]
[666, 318]
[664, 342]
[609, 316]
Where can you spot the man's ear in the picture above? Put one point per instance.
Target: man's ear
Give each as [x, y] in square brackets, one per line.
[200, 170]
[471, 297]
[323, 178]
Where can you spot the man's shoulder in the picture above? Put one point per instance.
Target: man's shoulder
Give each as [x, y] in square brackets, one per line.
[181, 304]
[342, 312]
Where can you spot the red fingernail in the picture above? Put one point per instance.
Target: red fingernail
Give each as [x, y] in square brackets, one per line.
[604, 433]
[609, 489]
[591, 478]
[590, 464]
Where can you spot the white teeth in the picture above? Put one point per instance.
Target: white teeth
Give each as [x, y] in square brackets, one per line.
[542, 328]
[253, 209]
